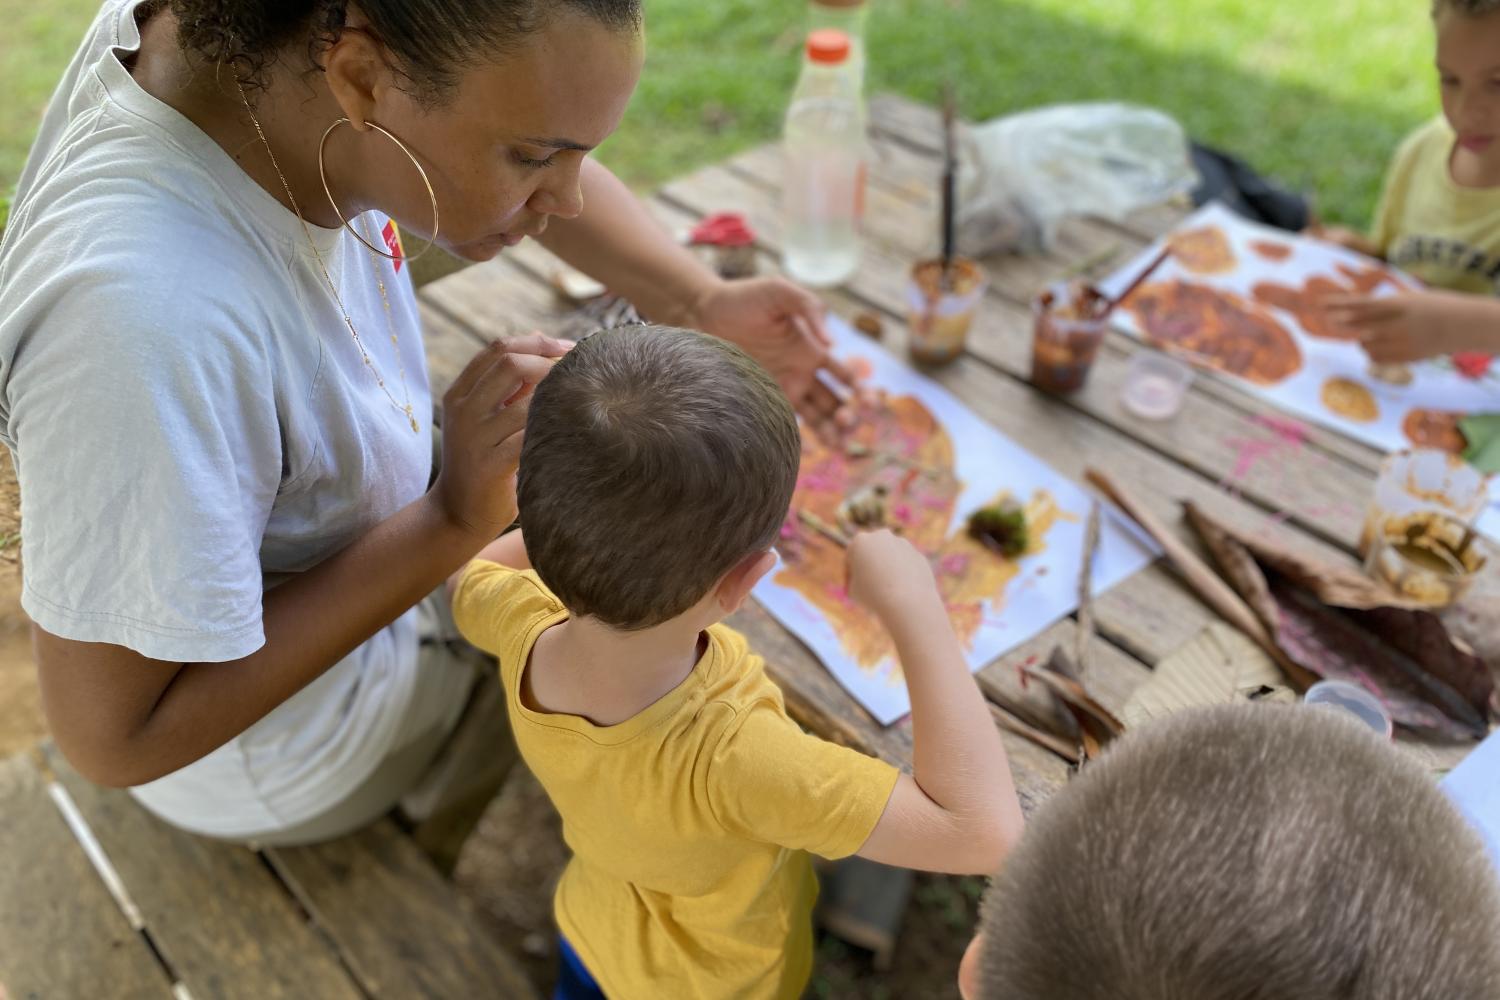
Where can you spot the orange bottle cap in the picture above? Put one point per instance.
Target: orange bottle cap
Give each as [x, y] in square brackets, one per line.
[828, 45]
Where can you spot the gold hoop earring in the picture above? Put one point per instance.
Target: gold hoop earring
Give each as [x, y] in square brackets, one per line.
[322, 174]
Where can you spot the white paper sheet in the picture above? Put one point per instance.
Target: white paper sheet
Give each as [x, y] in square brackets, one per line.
[1436, 385]
[805, 593]
[1475, 786]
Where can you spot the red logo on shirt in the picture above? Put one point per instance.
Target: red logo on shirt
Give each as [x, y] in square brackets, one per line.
[392, 237]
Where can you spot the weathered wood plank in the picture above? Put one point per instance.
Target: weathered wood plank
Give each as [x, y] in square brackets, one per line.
[1320, 494]
[901, 212]
[401, 929]
[61, 933]
[223, 922]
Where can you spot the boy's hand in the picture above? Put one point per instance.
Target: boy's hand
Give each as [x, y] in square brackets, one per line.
[1345, 237]
[1410, 326]
[887, 574]
[484, 416]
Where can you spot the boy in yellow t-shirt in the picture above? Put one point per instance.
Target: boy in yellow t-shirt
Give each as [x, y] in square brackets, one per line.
[657, 470]
[1439, 214]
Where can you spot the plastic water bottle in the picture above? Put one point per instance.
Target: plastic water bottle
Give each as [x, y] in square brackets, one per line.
[823, 187]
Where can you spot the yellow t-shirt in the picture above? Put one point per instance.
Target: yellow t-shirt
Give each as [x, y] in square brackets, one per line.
[1425, 224]
[689, 823]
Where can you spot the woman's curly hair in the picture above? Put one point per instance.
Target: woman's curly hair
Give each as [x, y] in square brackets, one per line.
[432, 40]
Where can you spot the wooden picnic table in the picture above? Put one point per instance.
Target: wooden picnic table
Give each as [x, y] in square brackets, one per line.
[1312, 494]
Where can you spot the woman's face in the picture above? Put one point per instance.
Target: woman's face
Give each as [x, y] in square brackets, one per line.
[504, 149]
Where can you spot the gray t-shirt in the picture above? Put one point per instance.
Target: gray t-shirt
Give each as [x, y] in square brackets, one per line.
[192, 421]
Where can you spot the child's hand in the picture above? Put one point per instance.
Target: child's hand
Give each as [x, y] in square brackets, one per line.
[1410, 326]
[1345, 237]
[887, 574]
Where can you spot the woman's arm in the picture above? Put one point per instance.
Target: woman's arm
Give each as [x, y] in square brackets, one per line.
[617, 242]
[124, 719]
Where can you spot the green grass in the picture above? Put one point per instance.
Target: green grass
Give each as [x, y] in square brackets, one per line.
[1315, 93]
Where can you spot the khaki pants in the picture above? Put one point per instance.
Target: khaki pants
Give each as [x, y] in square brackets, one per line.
[443, 778]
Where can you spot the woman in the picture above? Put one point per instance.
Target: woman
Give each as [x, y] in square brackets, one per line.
[212, 379]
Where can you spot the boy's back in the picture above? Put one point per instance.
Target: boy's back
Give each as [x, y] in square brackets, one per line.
[680, 818]
[656, 473]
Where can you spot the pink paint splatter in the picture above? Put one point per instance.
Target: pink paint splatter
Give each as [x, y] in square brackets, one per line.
[954, 564]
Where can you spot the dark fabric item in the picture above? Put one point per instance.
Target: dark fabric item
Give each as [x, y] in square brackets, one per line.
[573, 980]
[1234, 182]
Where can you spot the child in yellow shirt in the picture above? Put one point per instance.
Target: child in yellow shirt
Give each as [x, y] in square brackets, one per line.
[1439, 214]
[657, 470]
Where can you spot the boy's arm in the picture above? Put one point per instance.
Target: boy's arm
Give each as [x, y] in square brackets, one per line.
[959, 811]
[1410, 326]
[507, 550]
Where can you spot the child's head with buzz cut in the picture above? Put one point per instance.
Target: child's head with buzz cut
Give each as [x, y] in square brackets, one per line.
[1245, 852]
[656, 461]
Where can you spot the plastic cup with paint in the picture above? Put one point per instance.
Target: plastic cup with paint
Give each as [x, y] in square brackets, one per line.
[1342, 696]
[1426, 557]
[1155, 385]
[941, 311]
[1424, 479]
[1068, 329]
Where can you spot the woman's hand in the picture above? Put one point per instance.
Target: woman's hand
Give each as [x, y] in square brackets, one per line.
[781, 326]
[484, 417]
[1410, 326]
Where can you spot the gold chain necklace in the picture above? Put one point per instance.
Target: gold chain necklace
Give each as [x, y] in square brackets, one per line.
[405, 408]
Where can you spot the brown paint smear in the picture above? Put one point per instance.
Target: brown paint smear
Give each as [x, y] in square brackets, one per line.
[1219, 327]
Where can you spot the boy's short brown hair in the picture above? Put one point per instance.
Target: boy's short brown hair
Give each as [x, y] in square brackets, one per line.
[655, 460]
[1250, 852]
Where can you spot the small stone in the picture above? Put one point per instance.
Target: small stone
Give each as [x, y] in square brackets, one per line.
[869, 325]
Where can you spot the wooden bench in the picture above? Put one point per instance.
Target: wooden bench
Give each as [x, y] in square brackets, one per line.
[98, 898]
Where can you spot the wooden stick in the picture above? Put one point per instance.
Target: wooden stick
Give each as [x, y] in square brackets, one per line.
[823, 528]
[950, 170]
[1085, 636]
[1166, 251]
[1198, 574]
[1015, 724]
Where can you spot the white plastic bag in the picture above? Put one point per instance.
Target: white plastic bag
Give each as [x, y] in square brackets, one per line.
[1021, 175]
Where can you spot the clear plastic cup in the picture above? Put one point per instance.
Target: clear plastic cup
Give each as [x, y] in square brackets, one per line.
[1427, 557]
[1155, 385]
[1065, 338]
[940, 314]
[1343, 696]
[1424, 479]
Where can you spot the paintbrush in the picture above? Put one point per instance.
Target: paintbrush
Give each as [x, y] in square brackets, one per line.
[1136, 282]
[950, 170]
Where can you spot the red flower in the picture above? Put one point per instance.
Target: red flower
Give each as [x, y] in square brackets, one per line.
[1472, 364]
